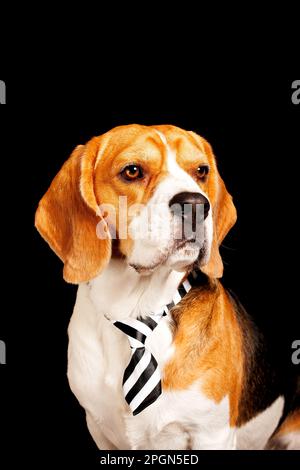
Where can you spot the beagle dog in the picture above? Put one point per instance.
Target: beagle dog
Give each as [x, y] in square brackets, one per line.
[217, 391]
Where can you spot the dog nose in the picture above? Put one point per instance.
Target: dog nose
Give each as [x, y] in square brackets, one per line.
[186, 204]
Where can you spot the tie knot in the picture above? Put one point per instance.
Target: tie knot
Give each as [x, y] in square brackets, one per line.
[137, 330]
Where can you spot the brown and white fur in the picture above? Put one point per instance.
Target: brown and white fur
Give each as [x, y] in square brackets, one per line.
[207, 350]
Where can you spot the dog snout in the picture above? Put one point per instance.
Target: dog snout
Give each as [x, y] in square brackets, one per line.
[188, 205]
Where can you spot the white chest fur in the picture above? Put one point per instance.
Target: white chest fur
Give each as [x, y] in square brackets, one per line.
[99, 353]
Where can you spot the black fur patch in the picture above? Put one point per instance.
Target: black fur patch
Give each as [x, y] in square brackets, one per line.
[265, 378]
[276, 444]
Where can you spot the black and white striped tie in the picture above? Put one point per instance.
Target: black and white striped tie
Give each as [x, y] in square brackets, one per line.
[142, 379]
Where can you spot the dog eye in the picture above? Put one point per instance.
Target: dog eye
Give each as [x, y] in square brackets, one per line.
[202, 171]
[132, 172]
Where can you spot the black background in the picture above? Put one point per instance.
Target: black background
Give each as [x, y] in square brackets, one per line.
[254, 130]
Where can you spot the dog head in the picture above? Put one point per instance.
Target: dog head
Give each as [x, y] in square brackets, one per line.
[155, 190]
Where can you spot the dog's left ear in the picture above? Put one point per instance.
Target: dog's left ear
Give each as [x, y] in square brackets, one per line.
[224, 214]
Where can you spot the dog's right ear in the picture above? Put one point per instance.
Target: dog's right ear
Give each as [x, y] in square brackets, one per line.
[68, 214]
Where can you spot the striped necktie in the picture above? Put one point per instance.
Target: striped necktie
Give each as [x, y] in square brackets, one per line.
[142, 379]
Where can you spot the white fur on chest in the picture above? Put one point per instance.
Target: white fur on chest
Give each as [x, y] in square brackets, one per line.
[99, 353]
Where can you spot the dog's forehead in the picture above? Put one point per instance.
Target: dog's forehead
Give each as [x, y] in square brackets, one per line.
[128, 141]
[154, 140]
[180, 140]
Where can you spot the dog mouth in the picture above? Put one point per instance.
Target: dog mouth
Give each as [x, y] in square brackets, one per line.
[144, 269]
[182, 243]
[189, 244]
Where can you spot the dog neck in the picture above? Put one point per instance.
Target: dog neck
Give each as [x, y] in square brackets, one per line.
[121, 292]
